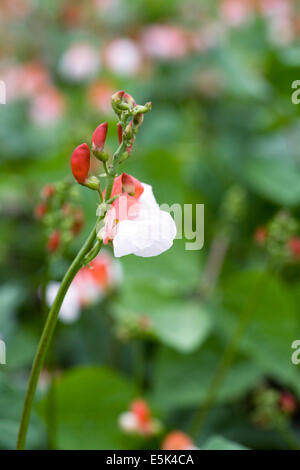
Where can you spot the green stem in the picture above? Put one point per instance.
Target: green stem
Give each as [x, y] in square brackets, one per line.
[112, 173]
[47, 336]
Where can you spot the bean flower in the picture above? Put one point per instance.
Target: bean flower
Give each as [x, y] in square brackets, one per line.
[135, 224]
[139, 420]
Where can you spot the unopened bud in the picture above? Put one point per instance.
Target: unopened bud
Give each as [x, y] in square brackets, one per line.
[138, 120]
[139, 109]
[129, 99]
[98, 139]
[120, 132]
[117, 97]
[40, 210]
[128, 131]
[54, 241]
[80, 163]
[294, 247]
[48, 191]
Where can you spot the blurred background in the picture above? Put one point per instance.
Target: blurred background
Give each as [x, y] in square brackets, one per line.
[203, 337]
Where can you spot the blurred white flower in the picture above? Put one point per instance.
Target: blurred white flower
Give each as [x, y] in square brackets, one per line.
[90, 285]
[236, 12]
[165, 41]
[276, 7]
[47, 107]
[24, 80]
[80, 62]
[139, 420]
[123, 57]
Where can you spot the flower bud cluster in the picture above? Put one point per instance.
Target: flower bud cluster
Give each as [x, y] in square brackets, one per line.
[281, 239]
[59, 214]
[273, 408]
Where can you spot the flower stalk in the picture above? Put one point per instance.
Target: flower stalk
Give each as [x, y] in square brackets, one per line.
[124, 106]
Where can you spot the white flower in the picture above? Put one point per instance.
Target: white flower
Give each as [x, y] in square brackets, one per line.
[128, 422]
[139, 227]
[80, 62]
[123, 57]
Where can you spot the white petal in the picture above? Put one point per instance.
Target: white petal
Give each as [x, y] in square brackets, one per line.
[128, 422]
[145, 236]
[70, 309]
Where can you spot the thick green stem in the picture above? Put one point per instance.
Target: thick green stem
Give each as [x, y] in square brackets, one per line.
[47, 336]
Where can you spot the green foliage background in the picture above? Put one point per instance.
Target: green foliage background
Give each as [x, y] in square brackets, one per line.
[221, 117]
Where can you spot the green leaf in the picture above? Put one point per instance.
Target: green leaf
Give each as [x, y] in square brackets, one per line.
[271, 326]
[220, 443]
[89, 401]
[183, 326]
[274, 179]
[183, 380]
[11, 404]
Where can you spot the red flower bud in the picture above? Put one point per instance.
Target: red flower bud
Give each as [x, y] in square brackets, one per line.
[48, 191]
[129, 99]
[80, 163]
[120, 132]
[40, 210]
[288, 403]
[120, 135]
[98, 138]
[141, 410]
[53, 241]
[294, 246]
[116, 97]
[177, 440]
[260, 235]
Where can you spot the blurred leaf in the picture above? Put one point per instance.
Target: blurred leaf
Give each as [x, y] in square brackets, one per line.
[272, 323]
[220, 443]
[184, 326]
[89, 401]
[11, 404]
[182, 380]
[20, 349]
[10, 297]
[274, 179]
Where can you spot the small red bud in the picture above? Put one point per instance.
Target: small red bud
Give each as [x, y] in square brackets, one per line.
[98, 138]
[53, 241]
[80, 163]
[40, 210]
[177, 440]
[294, 246]
[141, 410]
[288, 403]
[120, 132]
[260, 235]
[48, 191]
[129, 99]
[117, 96]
